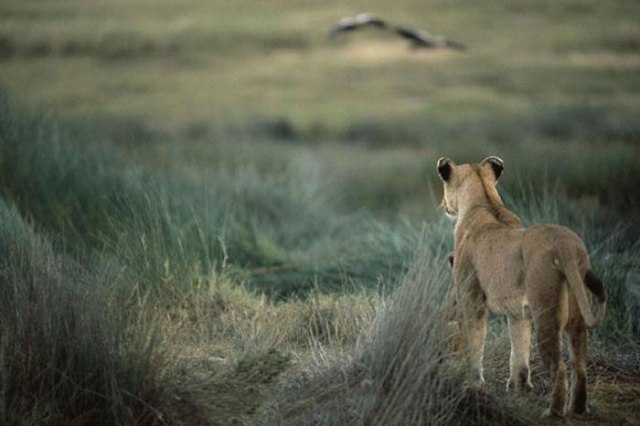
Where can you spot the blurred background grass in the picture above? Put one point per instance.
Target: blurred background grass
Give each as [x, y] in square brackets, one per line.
[244, 194]
[194, 87]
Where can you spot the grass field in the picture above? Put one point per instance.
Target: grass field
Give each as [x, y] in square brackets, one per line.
[213, 213]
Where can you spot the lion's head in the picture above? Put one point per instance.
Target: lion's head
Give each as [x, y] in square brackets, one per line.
[465, 179]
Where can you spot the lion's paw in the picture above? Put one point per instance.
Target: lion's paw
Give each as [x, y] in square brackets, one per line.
[551, 413]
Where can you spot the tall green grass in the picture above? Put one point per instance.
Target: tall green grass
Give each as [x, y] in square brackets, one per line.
[156, 230]
[70, 351]
[172, 231]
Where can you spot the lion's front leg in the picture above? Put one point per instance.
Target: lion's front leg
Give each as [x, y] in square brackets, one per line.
[520, 334]
[474, 319]
[472, 307]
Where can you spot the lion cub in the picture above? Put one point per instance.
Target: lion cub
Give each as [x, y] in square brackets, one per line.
[538, 274]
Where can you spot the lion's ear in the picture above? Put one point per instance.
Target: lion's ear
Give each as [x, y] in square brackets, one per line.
[497, 165]
[444, 166]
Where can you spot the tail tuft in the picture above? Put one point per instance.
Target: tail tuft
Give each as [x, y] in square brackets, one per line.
[595, 286]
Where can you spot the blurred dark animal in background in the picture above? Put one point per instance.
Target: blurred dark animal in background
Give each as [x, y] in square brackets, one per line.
[356, 22]
[419, 39]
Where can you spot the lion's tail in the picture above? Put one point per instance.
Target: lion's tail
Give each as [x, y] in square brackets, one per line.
[568, 264]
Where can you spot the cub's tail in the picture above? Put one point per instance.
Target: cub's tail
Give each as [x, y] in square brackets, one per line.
[568, 264]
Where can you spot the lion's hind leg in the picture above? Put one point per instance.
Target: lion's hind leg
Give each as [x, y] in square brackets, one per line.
[547, 297]
[520, 334]
[578, 339]
[550, 349]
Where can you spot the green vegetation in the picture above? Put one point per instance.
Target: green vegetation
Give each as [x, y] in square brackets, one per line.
[212, 214]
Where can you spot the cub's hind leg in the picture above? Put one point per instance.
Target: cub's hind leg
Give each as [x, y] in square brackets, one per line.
[548, 328]
[520, 334]
[578, 338]
[550, 348]
[547, 296]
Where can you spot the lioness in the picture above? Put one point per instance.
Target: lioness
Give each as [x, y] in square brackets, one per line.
[539, 273]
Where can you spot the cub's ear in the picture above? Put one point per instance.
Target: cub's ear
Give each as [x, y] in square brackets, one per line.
[444, 166]
[497, 165]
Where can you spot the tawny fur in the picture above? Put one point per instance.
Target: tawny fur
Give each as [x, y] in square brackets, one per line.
[539, 274]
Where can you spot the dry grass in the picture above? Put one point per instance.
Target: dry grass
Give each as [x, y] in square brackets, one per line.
[221, 319]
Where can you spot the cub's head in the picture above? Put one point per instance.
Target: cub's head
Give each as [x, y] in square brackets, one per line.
[461, 182]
